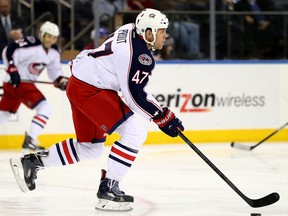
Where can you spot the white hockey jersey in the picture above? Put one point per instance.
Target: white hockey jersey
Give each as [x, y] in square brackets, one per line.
[122, 63]
[30, 58]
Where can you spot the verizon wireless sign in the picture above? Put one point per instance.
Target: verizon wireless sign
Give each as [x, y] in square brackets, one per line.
[203, 102]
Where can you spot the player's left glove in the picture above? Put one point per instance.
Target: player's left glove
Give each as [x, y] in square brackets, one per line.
[14, 75]
[61, 82]
[168, 122]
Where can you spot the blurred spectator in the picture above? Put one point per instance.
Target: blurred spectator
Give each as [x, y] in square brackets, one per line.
[225, 5]
[185, 32]
[106, 9]
[103, 33]
[187, 36]
[193, 5]
[16, 34]
[135, 5]
[83, 17]
[167, 52]
[139, 4]
[261, 31]
[280, 5]
[11, 26]
[229, 32]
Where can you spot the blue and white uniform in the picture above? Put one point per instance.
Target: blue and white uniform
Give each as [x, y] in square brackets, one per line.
[122, 63]
[30, 58]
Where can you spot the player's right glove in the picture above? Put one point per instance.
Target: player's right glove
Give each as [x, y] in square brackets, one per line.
[61, 82]
[168, 122]
[14, 75]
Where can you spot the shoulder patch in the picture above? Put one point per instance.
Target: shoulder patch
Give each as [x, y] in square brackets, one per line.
[145, 59]
[31, 39]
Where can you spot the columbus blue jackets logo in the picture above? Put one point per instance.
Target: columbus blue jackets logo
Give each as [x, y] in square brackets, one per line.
[145, 59]
[36, 68]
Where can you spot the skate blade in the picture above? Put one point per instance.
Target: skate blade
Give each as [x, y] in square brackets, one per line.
[17, 169]
[107, 205]
[29, 151]
[26, 151]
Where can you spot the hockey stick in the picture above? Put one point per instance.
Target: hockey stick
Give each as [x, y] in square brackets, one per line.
[36, 81]
[41, 82]
[249, 148]
[255, 203]
[33, 81]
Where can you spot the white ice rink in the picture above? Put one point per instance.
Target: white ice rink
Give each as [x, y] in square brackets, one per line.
[165, 180]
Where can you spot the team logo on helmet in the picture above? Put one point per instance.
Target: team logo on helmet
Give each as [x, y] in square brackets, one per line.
[145, 59]
[152, 15]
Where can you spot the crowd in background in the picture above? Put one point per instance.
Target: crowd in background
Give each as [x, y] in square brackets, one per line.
[238, 36]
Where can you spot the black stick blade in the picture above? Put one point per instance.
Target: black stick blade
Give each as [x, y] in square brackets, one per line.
[265, 201]
[241, 146]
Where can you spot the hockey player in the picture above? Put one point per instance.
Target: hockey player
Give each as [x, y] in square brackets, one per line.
[122, 63]
[24, 60]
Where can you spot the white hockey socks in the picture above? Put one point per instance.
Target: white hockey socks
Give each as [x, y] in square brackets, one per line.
[120, 160]
[70, 151]
[4, 116]
[39, 121]
[62, 153]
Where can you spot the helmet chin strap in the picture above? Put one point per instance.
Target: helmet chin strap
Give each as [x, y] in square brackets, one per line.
[151, 43]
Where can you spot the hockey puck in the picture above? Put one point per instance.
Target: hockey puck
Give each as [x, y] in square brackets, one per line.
[255, 214]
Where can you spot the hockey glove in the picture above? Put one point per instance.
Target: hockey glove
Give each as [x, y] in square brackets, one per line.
[168, 122]
[61, 82]
[14, 75]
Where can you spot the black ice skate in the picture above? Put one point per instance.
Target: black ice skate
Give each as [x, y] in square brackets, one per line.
[111, 198]
[25, 170]
[29, 145]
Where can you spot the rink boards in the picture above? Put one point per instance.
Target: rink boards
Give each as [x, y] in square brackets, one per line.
[217, 102]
